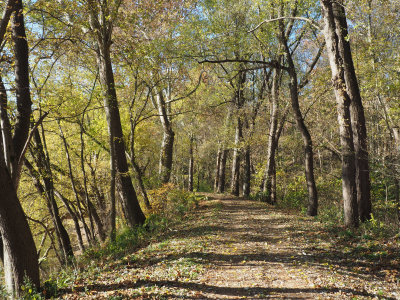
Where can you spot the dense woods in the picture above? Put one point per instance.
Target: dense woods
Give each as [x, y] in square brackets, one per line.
[106, 104]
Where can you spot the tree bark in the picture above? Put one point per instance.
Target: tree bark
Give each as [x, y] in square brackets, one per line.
[235, 185]
[238, 100]
[359, 128]
[23, 95]
[20, 256]
[5, 18]
[247, 172]
[344, 119]
[5, 126]
[90, 208]
[268, 189]
[222, 169]
[216, 181]
[167, 145]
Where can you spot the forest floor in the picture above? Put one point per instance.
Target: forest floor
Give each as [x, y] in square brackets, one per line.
[240, 249]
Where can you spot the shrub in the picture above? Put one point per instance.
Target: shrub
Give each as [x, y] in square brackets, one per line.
[169, 201]
[295, 194]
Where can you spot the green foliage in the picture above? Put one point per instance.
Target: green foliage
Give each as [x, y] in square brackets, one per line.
[3, 292]
[124, 243]
[29, 291]
[259, 196]
[330, 209]
[295, 194]
[50, 288]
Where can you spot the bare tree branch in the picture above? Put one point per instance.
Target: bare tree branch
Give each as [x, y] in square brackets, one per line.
[312, 22]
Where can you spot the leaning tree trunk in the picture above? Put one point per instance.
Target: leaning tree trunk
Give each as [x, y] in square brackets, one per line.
[343, 107]
[308, 148]
[136, 167]
[103, 31]
[130, 203]
[74, 216]
[47, 190]
[359, 128]
[89, 234]
[62, 234]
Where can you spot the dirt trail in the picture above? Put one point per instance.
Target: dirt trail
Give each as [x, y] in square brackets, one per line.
[241, 249]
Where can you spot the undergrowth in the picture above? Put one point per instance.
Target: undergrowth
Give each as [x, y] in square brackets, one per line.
[169, 205]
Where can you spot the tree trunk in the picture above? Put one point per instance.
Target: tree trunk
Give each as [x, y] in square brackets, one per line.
[359, 128]
[74, 217]
[343, 107]
[88, 233]
[23, 95]
[247, 172]
[97, 221]
[216, 181]
[191, 165]
[90, 208]
[20, 256]
[62, 234]
[222, 169]
[308, 148]
[235, 185]
[167, 145]
[5, 126]
[47, 190]
[269, 193]
[167, 150]
[19, 250]
[136, 167]
[103, 31]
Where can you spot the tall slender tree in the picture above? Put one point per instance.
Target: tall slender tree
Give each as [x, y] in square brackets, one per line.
[102, 18]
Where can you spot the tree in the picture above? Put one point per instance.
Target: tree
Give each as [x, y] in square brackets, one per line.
[343, 106]
[101, 21]
[19, 250]
[294, 96]
[359, 128]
